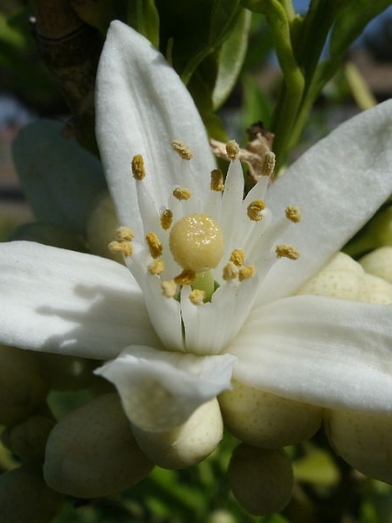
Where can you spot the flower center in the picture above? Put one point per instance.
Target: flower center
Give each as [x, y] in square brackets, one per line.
[196, 242]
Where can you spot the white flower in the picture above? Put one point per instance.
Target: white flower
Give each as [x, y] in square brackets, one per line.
[171, 353]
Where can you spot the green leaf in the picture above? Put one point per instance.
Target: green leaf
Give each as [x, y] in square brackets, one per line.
[143, 16]
[231, 58]
[256, 104]
[60, 179]
[350, 22]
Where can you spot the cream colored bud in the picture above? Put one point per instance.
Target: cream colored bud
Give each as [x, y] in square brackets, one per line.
[379, 263]
[261, 480]
[101, 228]
[341, 278]
[188, 444]
[377, 290]
[22, 387]
[363, 440]
[25, 498]
[91, 452]
[265, 420]
[28, 439]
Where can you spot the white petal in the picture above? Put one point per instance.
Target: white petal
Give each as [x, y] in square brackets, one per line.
[324, 351]
[142, 106]
[339, 184]
[160, 390]
[67, 302]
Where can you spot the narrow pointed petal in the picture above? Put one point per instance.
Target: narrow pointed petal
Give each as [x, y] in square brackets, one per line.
[329, 352]
[54, 300]
[160, 390]
[142, 106]
[339, 184]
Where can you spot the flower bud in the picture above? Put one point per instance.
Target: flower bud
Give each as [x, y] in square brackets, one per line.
[22, 388]
[188, 444]
[28, 439]
[265, 420]
[101, 228]
[341, 278]
[379, 263]
[262, 480]
[378, 290]
[363, 440]
[91, 452]
[24, 498]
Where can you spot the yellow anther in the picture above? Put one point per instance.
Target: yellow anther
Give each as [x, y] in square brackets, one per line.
[229, 272]
[246, 272]
[293, 213]
[238, 257]
[232, 149]
[197, 297]
[122, 247]
[254, 210]
[154, 245]
[268, 164]
[166, 219]
[182, 193]
[138, 170]
[125, 233]
[287, 251]
[196, 242]
[169, 288]
[156, 267]
[187, 277]
[182, 149]
[217, 181]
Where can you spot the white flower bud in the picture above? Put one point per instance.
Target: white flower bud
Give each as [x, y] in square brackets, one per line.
[379, 263]
[28, 439]
[24, 498]
[188, 444]
[378, 290]
[101, 228]
[261, 480]
[266, 420]
[341, 278]
[22, 388]
[91, 452]
[363, 440]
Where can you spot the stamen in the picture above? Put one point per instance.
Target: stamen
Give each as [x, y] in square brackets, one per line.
[268, 164]
[197, 297]
[217, 181]
[122, 247]
[187, 277]
[166, 219]
[232, 149]
[293, 213]
[287, 251]
[182, 149]
[169, 288]
[154, 245]
[229, 272]
[138, 170]
[246, 272]
[238, 257]
[182, 193]
[156, 267]
[254, 210]
[125, 233]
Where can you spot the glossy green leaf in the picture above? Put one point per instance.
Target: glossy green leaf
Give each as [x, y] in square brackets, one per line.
[256, 103]
[143, 16]
[350, 22]
[231, 58]
[60, 179]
